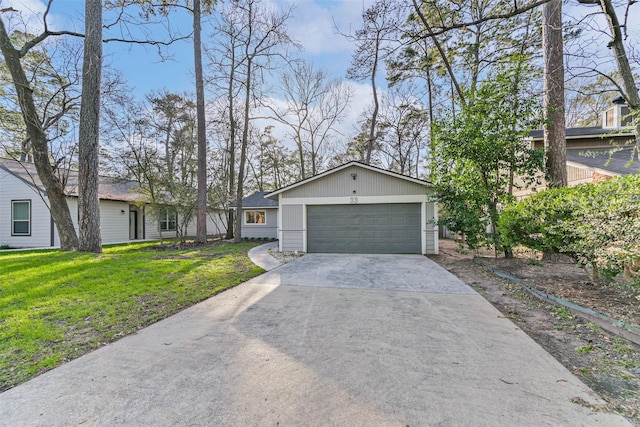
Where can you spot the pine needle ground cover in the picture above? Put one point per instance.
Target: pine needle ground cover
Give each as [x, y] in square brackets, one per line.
[56, 306]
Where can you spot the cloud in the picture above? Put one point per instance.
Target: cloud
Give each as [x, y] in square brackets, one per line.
[314, 24]
[349, 126]
[29, 16]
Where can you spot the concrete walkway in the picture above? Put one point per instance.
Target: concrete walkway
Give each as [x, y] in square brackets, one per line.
[324, 340]
[260, 256]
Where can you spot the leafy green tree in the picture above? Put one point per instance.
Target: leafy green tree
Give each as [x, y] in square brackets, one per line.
[481, 151]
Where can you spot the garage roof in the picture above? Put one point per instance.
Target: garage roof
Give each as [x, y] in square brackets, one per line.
[620, 161]
[339, 168]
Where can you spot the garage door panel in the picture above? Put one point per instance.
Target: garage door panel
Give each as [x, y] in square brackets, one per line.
[375, 228]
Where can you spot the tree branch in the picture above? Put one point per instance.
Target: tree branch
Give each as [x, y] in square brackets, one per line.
[488, 18]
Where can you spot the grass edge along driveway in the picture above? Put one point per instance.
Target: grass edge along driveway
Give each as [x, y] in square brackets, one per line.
[56, 306]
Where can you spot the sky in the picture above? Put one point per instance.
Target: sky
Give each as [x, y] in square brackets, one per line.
[312, 25]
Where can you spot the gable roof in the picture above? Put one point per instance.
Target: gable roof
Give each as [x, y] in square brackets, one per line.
[256, 200]
[615, 161]
[109, 188]
[344, 166]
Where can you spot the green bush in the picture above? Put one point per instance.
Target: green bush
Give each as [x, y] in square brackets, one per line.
[609, 230]
[597, 224]
[545, 221]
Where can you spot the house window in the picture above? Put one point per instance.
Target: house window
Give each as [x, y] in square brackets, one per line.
[21, 217]
[255, 217]
[168, 219]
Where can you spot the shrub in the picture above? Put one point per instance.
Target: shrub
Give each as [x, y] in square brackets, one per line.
[545, 221]
[609, 230]
[597, 224]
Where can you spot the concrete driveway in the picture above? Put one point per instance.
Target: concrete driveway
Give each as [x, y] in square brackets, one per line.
[351, 340]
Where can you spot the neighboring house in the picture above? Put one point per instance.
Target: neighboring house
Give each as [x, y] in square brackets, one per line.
[597, 153]
[259, 216]
[357, 208]
[25, 220]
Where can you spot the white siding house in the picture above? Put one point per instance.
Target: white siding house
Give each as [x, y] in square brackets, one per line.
[25, 219]
[259, 216]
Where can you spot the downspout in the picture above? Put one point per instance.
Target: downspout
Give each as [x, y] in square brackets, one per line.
[51, 230]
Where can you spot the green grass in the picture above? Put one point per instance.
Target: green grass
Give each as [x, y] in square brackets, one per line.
[56, 306]
[562, 313]
[585, 350]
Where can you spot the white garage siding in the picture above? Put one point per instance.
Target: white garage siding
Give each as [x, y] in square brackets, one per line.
[431, 228]
[291, 232]
[367, 183]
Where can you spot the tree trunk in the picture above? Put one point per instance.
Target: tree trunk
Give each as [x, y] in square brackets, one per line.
[376, 106]
[88, 201]
[52, 185]
[231, 146]
[201, 202]
[243, 154]
[554, 132]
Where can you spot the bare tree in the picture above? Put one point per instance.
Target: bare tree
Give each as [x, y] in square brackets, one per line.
[259, 40]
[39, 144]
[380, 23]
[35, 128]
[626, 81]
[403, 123]
[226, 59]
[201, 217]
[315, 105]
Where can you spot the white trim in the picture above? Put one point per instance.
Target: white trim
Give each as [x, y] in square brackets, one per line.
[253, 208]
[167, 220]
[423, 227]
[257, 224]
[344, 166]
[28, 220]
[280, 224]
[436, 234]
[347, 200]
[304, 228]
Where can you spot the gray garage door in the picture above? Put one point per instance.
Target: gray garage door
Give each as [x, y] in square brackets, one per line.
[392, 228]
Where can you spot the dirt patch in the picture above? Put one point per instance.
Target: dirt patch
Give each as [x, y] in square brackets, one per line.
[568, 281]
[607, 363]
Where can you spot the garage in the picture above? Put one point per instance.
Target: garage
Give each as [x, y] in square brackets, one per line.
[357, 208]
[392, 228]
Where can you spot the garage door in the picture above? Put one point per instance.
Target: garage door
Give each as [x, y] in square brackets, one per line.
[392, 228]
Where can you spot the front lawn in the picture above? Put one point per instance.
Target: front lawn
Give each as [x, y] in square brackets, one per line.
[56, 306]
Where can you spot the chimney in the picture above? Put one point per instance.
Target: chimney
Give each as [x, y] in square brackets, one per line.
[618, 116]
